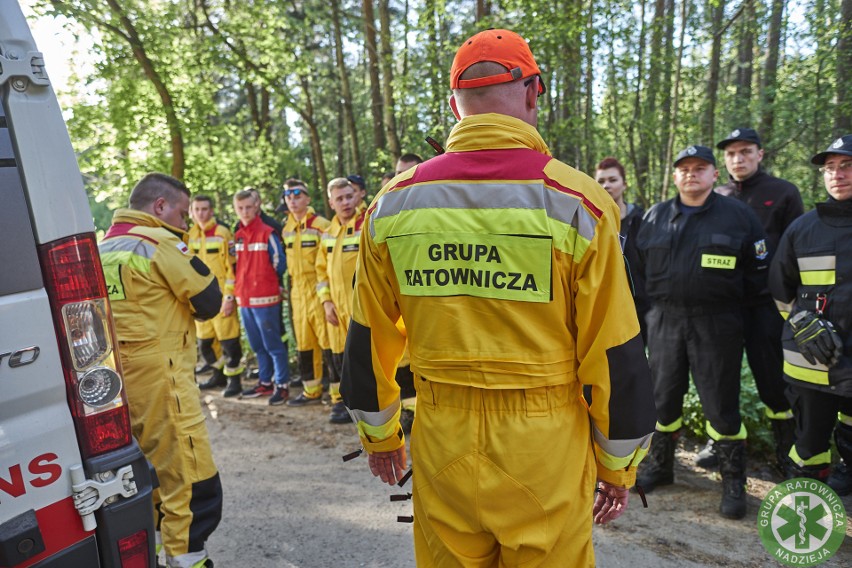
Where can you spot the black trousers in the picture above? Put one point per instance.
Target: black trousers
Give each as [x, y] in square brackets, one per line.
[762, 330]
[710, 345]
[816, 416]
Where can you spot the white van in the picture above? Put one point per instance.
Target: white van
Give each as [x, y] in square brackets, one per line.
[75, 489]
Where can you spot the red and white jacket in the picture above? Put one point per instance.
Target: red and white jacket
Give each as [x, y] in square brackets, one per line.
[260, 264]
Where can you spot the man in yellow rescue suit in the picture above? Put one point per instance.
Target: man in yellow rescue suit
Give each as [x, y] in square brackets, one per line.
[301, 238]
[213, 243]
[156, 288]
[505, 266]
[335, 270]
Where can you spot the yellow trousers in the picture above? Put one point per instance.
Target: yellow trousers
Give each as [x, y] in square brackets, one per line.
[309, 326]
[502, 477]
[166, 418]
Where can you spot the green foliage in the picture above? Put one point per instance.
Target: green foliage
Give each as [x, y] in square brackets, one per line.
[257, 96]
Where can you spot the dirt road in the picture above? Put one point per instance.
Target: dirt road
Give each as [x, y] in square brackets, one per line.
[290, 501]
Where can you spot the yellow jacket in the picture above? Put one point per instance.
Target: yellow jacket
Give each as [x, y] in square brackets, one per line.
[506, 267]
[156, 286]
[214, 244]
[336, 261]
[302, 241]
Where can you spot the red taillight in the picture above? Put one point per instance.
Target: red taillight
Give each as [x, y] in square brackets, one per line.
[133, 550]
[76, 287]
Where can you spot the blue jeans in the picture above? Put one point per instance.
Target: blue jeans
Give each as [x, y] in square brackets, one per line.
[263, 328]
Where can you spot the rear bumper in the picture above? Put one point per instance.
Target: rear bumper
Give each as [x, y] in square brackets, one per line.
[126, 516]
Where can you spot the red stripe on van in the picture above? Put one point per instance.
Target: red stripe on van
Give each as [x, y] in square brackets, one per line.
[60, 526]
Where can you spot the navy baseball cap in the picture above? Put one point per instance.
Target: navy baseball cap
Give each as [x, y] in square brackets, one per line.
[740, 135]
[357, 180]
[842, 146]
[700, 152]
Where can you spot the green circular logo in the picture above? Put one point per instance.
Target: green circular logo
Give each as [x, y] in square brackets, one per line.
[801, 522]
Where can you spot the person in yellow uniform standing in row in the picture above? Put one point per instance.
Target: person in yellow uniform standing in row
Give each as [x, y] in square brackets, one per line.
[335, 271]
[157, 289]
[301, 239]
[213, 243]
[505, 266]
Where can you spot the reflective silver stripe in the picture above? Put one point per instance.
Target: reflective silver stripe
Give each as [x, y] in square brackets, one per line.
[135, 245]
[817, 263]
[257, 246]
[560, 206]
[797, 359]
[379, 418]
[239, 246]
[187, 560]
[311, 232]
[621, 448]
[264, 300]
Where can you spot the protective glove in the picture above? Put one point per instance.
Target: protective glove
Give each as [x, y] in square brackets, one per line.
[816, 338]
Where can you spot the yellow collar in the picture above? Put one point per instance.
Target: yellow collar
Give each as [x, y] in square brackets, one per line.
[494, 131]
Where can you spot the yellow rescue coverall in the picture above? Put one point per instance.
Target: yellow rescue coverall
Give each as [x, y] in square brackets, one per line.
[301, 240]
[213, 244]
[506, 267]
[156, 289]
[336, 261]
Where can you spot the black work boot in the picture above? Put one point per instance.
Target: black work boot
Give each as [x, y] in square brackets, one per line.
[658, 466]
[818, 472]
[784, 432]
[235, 386]
[218, 380]
[732, 466]
[841, 478]
[707, 458]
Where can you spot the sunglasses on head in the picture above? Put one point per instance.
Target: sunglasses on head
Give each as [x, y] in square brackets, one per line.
[297, 192]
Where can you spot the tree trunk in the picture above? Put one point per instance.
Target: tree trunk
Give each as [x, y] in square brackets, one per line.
[588, 122]
[345, 90]
[153, 75]
[571, 105]
[640, 165]
[666, 125]
[436, 67]
[259, 110]
[483, 8]
[745, 64]
[387, 81]
[770, 74]
[717, 10]
[307, 114]
[843, 110]
[372, 48]
[684, 14]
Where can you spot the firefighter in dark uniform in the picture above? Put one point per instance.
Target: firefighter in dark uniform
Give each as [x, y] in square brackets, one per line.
[811, 281]
[703, 255]
[777, 203]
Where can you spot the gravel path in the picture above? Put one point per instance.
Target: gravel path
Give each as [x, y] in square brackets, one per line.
[290, 501]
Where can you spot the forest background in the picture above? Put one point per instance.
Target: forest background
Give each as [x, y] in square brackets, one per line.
[226, 94]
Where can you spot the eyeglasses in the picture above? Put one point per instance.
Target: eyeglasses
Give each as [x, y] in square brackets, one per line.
[845, 167]
[296, 192]
[541, 88]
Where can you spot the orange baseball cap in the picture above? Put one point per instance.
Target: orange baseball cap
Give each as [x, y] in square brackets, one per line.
[499, 46]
